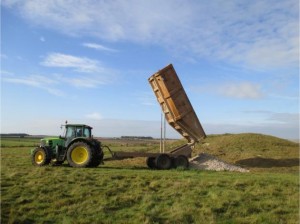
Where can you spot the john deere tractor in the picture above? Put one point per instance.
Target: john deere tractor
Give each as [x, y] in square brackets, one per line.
[77, 147]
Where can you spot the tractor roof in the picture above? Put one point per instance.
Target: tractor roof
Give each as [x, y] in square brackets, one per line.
[78, 125]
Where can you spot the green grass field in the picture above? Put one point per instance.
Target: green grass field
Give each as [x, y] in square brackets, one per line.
[127, 192]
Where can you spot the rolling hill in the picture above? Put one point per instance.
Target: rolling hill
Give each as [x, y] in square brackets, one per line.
[254, 151]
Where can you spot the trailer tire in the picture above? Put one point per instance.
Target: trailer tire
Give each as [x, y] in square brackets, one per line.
[163, 162]
[151, 162]
[181, 161]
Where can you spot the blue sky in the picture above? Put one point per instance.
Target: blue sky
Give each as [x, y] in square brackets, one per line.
[89, 61]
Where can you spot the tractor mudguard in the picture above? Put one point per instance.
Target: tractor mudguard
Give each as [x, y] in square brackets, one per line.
[86, 140]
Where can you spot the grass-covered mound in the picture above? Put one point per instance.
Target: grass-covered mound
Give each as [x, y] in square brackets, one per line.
[254, 151]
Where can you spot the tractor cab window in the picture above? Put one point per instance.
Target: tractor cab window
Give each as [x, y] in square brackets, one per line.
[87, 132]
[70, 132]
[79, 132]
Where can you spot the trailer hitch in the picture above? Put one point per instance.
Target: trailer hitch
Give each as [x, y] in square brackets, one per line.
[110, 151]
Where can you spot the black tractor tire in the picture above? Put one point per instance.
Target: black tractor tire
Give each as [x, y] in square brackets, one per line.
[41, 156]
[163, 162]
[181, 161]
[151, 162]
[80, 154]
[98, 157]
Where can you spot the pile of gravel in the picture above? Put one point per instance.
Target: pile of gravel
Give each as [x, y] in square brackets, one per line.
[206, 161]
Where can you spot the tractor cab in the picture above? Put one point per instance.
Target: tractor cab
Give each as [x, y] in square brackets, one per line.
[78, 130]
[74, 131]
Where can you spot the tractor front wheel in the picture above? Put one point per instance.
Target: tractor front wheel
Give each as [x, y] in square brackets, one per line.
[80, 154]
[41, 157]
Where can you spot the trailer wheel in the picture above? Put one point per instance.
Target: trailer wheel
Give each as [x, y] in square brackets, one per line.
[181, 162]
[151, 162]
[163, 162]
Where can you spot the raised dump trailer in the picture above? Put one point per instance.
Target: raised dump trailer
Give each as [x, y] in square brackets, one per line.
[175, 104]
[180, 115]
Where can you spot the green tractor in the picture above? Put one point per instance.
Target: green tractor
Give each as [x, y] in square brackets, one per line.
[77, 147]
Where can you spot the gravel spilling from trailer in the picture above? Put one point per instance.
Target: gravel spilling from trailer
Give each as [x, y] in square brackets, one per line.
[206, 161]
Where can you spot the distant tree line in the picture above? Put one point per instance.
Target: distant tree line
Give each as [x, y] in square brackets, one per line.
[15, 135]
[136, 137]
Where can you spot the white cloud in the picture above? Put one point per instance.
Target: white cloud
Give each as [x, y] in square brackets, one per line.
[83, 82]
[26, 81]
[94, 116]
[86, 73]
[257, 112]
[42, 39]
[285, 97]
[98, 47]
[285, 118]
[55, 84]
[275, 117]
[147, 98]
[261, 34]
[238, 90]
[89, 73]
[6, 73]
[3, 56]
[245, 90]
[36, 81]
[79, 64]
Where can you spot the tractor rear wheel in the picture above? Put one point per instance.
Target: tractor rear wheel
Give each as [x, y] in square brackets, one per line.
[41, 156]
[80, 154]
[97, 158]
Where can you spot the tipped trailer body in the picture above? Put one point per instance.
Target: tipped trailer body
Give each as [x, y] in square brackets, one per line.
[176, 105]
[179, 114]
